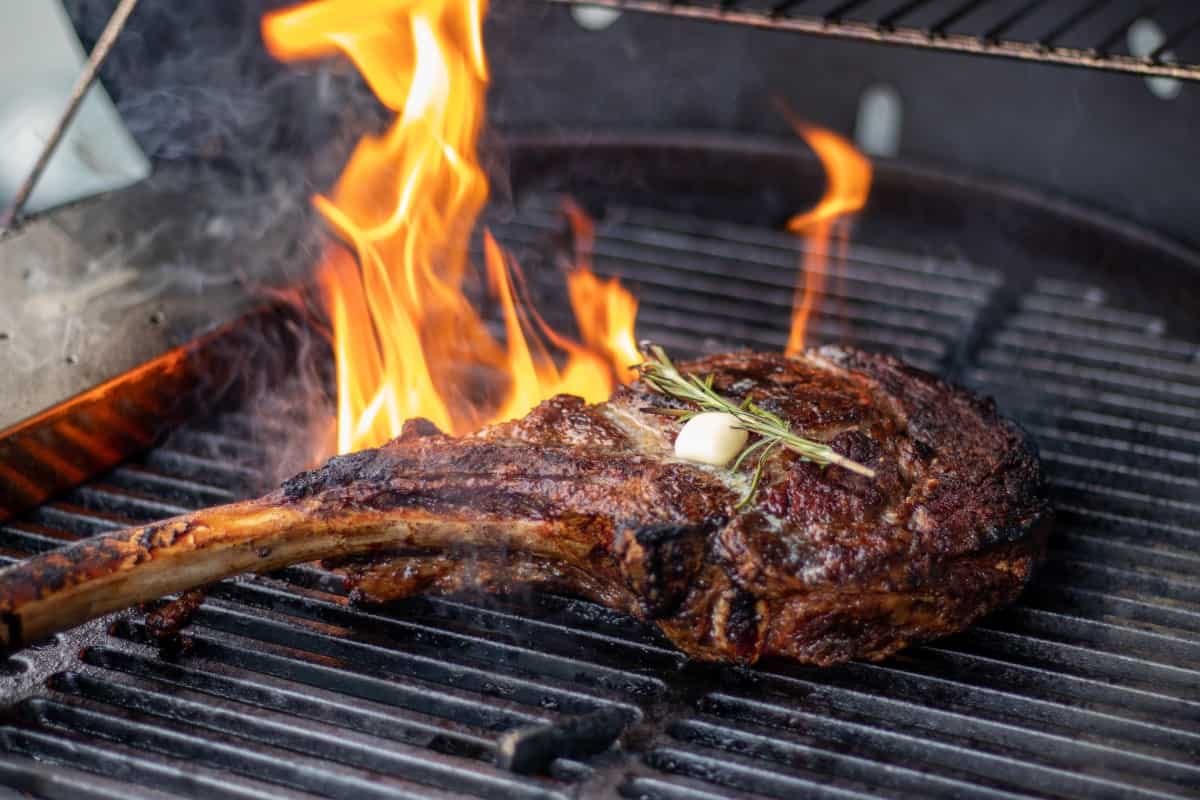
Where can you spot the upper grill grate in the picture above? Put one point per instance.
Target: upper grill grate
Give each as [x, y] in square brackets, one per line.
[1084, 33]
[1089, 687]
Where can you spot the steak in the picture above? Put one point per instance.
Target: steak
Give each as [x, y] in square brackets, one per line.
[821, 565]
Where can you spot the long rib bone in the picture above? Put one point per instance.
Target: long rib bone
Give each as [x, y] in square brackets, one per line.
[61, 589]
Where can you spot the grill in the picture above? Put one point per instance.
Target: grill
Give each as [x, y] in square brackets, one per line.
[1088, 687]
[1084, 34]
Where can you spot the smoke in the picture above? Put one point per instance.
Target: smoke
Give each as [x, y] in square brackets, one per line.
[192, 81]
[239, 143]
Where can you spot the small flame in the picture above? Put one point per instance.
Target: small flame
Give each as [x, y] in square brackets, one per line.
[604, 310]
[407, 340]
[848, 179]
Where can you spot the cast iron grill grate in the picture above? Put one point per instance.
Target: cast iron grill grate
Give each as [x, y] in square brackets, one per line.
[1089, 687]
[1081, 33]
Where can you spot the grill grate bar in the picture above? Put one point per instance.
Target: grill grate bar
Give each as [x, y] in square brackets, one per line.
[286, 768]
[1086, 546]
[547, 634]
[927, 676]
[1070, 352]
[885, 299]
[686, 325]
[1135, 427]
[24, 775]
[876, 734]
[1104, 605]
[1059, 371]
[1167, 650]
[1150, 481]
[1093, 313]
[245, 426]
[1082, 661]
[692, 236]
[216, 473]
[181, 491]
[944, 662]
[1106, 44]
[1174, 38]
[301, 668]
[661, 307]
[1175, 534]
[889, 20]
[729, 771]
[1006, 23]
[1071, 22]
[1098, 334]
[960, 12]
[75, 520]
[654, 789]
[21, 538]
[1112, 578]
[862, 309]
[720, 736]
[399, 664]
[995, 747]
[1164, 506]
[914, 711]
[1127, 450]
[308, 737]
[776, 269]
[127, 504]
[989, 41]
[138, 768]
[1092, 398]
[713, 232]
[421, 637]
[216, 446]
[306, 702]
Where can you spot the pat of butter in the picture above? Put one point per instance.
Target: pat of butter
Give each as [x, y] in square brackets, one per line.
[712, 437]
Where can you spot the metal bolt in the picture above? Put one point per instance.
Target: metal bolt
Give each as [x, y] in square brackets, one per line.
[1144, 37]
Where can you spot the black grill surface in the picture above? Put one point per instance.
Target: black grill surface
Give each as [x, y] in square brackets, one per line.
[1088, 687]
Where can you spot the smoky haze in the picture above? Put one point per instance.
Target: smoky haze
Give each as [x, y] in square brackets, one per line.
[239, 143]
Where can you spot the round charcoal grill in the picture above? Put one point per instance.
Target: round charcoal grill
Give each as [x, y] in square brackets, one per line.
[1082, 327]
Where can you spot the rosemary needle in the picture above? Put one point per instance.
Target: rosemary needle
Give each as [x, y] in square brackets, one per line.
[661, 374]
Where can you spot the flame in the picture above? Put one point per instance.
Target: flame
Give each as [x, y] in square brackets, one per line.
[604, 310]
[407, 340]
[848, 179]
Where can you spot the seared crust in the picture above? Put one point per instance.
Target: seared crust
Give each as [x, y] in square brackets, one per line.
[824, 566]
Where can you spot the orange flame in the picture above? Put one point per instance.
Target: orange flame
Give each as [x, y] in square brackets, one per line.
[407, 340]
[604, 310]
[848, 178]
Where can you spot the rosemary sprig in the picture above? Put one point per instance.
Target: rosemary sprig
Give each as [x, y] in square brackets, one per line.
[661, 374]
